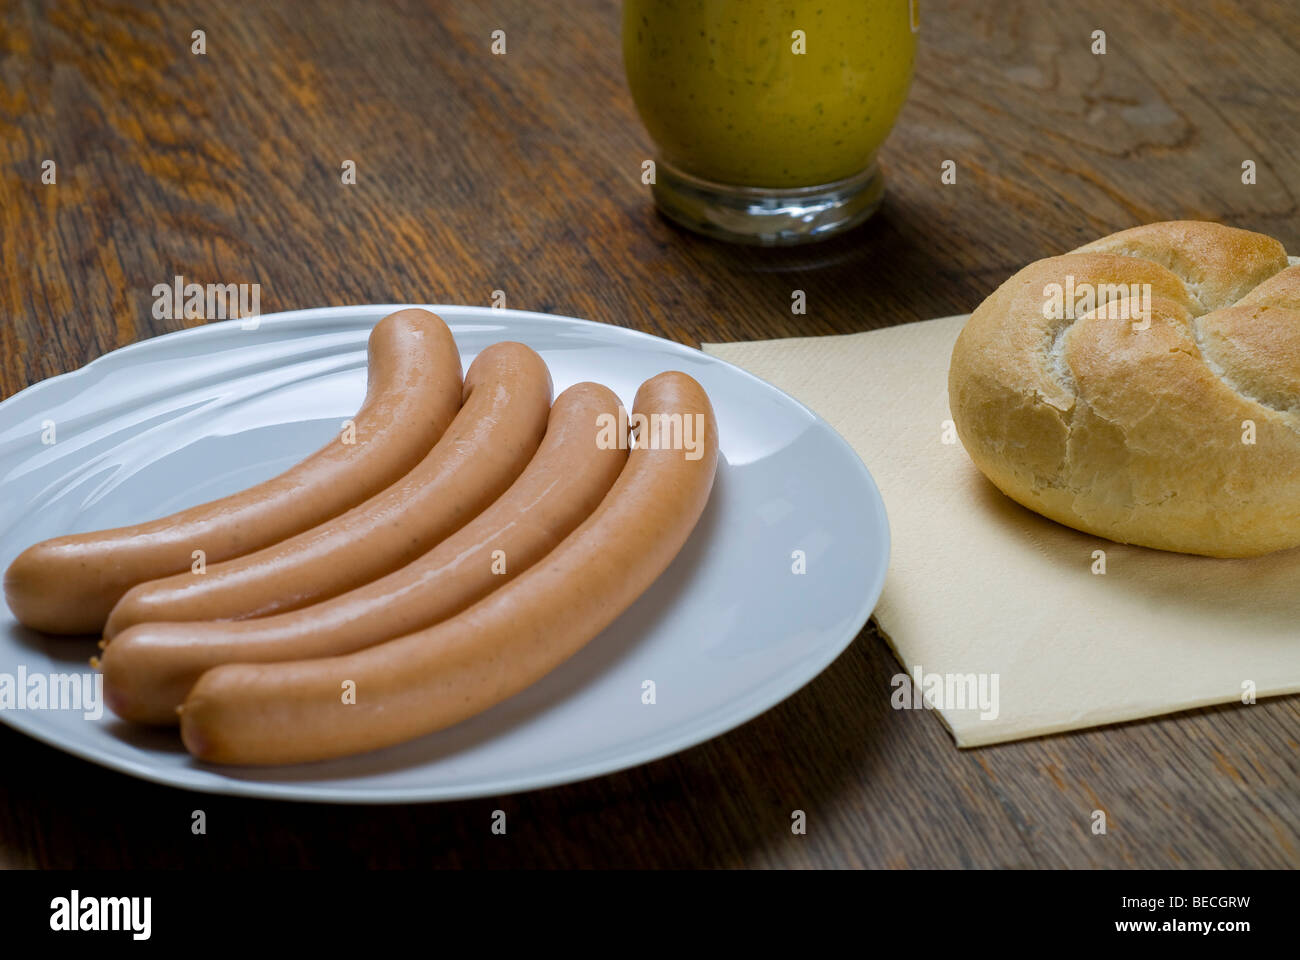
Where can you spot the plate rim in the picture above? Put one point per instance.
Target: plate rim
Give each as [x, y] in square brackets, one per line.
[735, 715]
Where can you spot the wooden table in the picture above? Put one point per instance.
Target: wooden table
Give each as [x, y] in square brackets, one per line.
[520, 173]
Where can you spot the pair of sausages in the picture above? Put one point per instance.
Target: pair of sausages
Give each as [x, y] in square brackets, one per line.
[488, 444]
[69, 585]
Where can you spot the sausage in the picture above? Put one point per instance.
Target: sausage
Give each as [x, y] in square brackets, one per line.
[297, 711]
[149, 668]
[492, 438]
[69, 584]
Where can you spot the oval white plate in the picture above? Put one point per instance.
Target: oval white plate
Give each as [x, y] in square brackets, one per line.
[727, 632]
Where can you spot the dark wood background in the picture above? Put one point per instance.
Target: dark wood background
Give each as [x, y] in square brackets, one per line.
[521, 173]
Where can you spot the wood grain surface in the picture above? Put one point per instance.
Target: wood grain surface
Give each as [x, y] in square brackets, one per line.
[520, 173]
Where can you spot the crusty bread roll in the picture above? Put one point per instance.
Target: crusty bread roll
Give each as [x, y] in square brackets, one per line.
[1176, 427]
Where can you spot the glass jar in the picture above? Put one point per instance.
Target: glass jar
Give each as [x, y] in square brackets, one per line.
[768, 114]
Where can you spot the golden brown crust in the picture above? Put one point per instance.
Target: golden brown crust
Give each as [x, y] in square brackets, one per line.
[1134, 425]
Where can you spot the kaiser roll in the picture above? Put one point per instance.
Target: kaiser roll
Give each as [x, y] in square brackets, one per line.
[1144, 388]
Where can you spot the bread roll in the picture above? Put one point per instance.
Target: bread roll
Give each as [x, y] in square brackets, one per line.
[1166, 411]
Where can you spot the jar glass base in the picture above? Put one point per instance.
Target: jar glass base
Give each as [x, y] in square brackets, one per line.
[766, 216]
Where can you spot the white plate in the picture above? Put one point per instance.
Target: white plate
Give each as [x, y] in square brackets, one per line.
[727, 632]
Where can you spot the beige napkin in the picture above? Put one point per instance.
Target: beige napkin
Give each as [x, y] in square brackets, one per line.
[983, 591]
